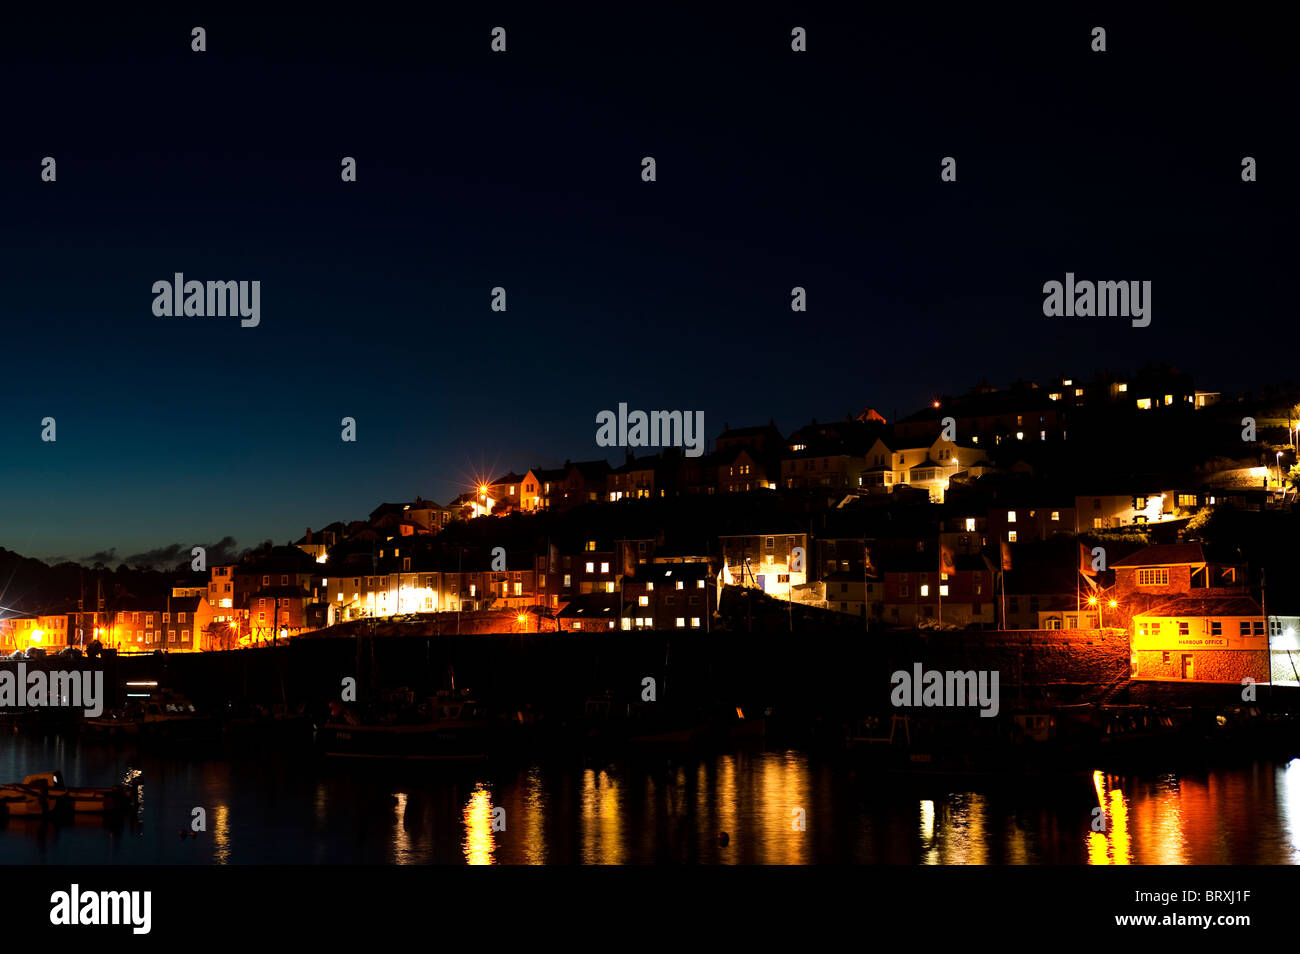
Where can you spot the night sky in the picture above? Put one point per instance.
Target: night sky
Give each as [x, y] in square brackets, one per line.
[477, 169]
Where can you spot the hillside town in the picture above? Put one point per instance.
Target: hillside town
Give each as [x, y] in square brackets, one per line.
[1134, 504]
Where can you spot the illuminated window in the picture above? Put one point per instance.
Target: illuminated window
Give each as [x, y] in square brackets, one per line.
[695, 622]
[1056, 515]
[681, 622]
[1011, 516]
[1011, 536]
[643, 601]
[925, 589]
[1123, 388]
[1156, 577]
[604, 568]
[567, 580]
[1144, 404]
[650, 586]
[943, 589]
[591, 568]
[970, 524]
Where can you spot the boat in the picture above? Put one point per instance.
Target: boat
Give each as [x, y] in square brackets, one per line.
[58, 796]
[166, 714]
[446, 727]
[19, 801]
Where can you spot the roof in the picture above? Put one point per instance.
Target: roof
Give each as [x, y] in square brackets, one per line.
[660, 572]
[590, 469]
[1205, 606]
[510, 478]
[591, 606]
[1164, 554]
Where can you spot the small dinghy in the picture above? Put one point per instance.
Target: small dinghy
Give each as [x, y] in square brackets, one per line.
[48, 789]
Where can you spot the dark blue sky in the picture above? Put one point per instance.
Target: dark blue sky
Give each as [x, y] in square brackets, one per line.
[522, 170]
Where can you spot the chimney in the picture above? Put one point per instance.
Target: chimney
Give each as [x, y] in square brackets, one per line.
[309, 534]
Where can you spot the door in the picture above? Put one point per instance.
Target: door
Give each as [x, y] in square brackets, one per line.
[1188, 668]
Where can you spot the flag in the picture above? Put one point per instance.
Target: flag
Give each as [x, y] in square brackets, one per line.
[552, 558]
[629, 562]
[725, 576]
[947, 561]
[1006, 555]
[867, 566]
[1085, 561]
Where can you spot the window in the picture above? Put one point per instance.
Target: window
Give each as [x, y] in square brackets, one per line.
[185, 635]
[904, 590]
[1011, 536]
[604, 568]
[695, 622]
[1182, 629]
[567, 580]
[970, 524]
[649, 586]
[925, 589]
[1216, 627]
[266, 581]
[591, 568]
[943, 590]
[643, 601]
[180, 617]
[1153, 577]
[1056, 515]
[681, 622]
[171, 635]
[1011, 516]
[1243, 627]
[699, 584]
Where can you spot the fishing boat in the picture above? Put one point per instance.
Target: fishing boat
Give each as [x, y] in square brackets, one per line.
[447, 727]
[167, 714]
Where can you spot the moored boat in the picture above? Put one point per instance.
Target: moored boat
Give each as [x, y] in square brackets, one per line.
[446, 728]
[46, 793]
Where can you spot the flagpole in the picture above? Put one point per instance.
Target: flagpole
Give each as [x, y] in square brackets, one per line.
[940, 584]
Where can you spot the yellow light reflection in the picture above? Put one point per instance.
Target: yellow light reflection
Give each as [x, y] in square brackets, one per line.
[602, 823]
[480, 846]
[221, 834]
[1112, 846]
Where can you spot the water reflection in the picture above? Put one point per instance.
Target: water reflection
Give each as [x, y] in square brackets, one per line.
[742, 807]
[479, 847]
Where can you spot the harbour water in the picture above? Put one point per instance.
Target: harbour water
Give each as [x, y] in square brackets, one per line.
[737, 807]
